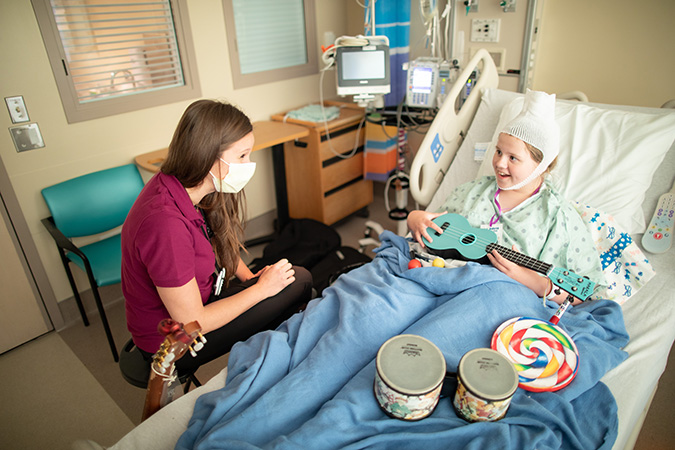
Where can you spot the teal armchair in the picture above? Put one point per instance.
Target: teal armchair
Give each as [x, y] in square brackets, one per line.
[89, 205]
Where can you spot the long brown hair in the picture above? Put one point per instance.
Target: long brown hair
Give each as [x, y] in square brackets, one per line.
[206, 129]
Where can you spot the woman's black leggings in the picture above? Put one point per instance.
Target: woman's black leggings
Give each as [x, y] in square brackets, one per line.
[266, 315]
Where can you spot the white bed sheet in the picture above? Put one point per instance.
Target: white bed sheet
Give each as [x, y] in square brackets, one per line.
[649, 316]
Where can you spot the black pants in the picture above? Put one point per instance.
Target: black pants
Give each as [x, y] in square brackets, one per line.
[266, 315]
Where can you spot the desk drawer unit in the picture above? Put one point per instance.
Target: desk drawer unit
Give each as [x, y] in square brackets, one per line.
[322, 185]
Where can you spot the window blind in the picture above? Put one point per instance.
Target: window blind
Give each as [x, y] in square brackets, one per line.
[270, 34]
[116, 48]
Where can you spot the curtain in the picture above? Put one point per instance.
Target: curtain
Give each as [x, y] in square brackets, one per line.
[392, 19]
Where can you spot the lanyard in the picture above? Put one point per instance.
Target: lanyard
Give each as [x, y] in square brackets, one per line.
[219, 272]
[495, 217]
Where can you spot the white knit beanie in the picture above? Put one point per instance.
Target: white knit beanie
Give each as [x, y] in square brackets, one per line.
[536, 126]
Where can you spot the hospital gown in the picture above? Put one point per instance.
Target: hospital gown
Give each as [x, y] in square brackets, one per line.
[545, 226]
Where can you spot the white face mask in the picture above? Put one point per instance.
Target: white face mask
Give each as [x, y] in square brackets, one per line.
[236, 178]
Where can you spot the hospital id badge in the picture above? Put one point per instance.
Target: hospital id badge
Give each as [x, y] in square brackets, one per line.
[219, 282]
[496, 229]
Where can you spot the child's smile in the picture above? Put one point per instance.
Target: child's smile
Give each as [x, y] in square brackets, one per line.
[512, 161]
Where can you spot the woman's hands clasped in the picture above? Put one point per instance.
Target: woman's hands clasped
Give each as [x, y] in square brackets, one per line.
[273, 279]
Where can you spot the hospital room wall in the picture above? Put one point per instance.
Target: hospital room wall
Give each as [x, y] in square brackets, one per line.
[75, 149]
[615, 51]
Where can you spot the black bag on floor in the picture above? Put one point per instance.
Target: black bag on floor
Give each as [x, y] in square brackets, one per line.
[316, 247]
[304, 242]
[337, 262]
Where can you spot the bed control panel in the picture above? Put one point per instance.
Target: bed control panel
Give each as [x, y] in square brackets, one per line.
[659, 234]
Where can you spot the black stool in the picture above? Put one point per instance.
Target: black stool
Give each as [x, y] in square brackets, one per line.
[136, 369]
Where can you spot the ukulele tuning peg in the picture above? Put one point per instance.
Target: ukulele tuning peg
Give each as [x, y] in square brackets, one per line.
[192, 352]
[198, 346]
[202, 338]
[566, 272]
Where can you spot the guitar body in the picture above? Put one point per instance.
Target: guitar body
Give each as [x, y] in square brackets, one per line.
[460, 240]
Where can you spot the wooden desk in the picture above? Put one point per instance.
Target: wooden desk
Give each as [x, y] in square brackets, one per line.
[267, 134]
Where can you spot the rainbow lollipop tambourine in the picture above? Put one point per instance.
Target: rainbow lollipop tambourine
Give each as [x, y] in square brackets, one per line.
[545, 357]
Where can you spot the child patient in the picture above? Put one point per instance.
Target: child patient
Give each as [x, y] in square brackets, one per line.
[521, 206]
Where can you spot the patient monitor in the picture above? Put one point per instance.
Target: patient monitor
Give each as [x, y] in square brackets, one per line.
[427, 82]
[363, 68]
[422, 83]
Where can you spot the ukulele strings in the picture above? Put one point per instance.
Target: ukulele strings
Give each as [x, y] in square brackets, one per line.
[509, 254]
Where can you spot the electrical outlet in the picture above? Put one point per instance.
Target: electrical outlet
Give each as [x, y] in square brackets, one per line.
[17, 109]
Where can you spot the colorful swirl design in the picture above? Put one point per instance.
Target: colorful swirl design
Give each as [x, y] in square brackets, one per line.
[545, 357]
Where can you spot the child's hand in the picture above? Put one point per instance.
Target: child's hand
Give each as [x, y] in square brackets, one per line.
[418, 222]
[523, 275]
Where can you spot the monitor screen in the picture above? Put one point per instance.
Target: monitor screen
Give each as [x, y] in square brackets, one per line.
[363, 70]
[363, 65]
[422, 78]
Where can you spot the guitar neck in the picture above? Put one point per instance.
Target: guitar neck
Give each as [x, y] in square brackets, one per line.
[157, 395]
[520, 259]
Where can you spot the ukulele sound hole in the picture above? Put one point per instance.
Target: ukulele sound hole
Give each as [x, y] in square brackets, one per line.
[468, 239]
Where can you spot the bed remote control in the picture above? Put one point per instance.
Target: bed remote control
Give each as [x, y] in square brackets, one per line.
[659, 234]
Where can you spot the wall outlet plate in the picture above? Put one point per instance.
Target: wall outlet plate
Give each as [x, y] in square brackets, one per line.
[17, 109]
[27, 137]
[485, 30]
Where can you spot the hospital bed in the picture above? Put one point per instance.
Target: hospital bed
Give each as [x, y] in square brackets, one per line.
[618, 194]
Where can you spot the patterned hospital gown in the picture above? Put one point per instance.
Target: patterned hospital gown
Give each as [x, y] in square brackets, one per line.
[545, 226]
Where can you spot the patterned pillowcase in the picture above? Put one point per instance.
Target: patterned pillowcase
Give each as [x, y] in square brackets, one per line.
[625, 267]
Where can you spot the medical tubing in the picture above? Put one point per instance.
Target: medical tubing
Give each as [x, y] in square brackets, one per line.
[323, 109]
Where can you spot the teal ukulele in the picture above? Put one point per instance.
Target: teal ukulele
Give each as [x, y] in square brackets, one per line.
[462, 241]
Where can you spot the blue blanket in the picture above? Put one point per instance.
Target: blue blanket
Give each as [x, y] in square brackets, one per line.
[309, 384]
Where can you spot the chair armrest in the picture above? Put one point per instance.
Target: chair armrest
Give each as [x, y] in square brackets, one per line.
[61, 240]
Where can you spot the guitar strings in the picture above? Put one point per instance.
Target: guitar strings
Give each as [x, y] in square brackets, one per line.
[508, 253]
[170, 376]
[512, 255]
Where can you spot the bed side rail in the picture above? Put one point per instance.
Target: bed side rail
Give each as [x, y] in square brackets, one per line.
[448, 129]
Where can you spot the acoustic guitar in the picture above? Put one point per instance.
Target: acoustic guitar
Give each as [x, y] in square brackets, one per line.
[460, 240]
[163, 382]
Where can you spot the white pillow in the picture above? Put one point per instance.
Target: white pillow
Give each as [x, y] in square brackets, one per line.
[607, 156]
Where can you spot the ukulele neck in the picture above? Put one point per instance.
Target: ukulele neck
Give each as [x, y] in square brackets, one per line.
[520, 259]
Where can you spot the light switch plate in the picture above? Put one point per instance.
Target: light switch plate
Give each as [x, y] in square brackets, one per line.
[17, 109]
[27, 137]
